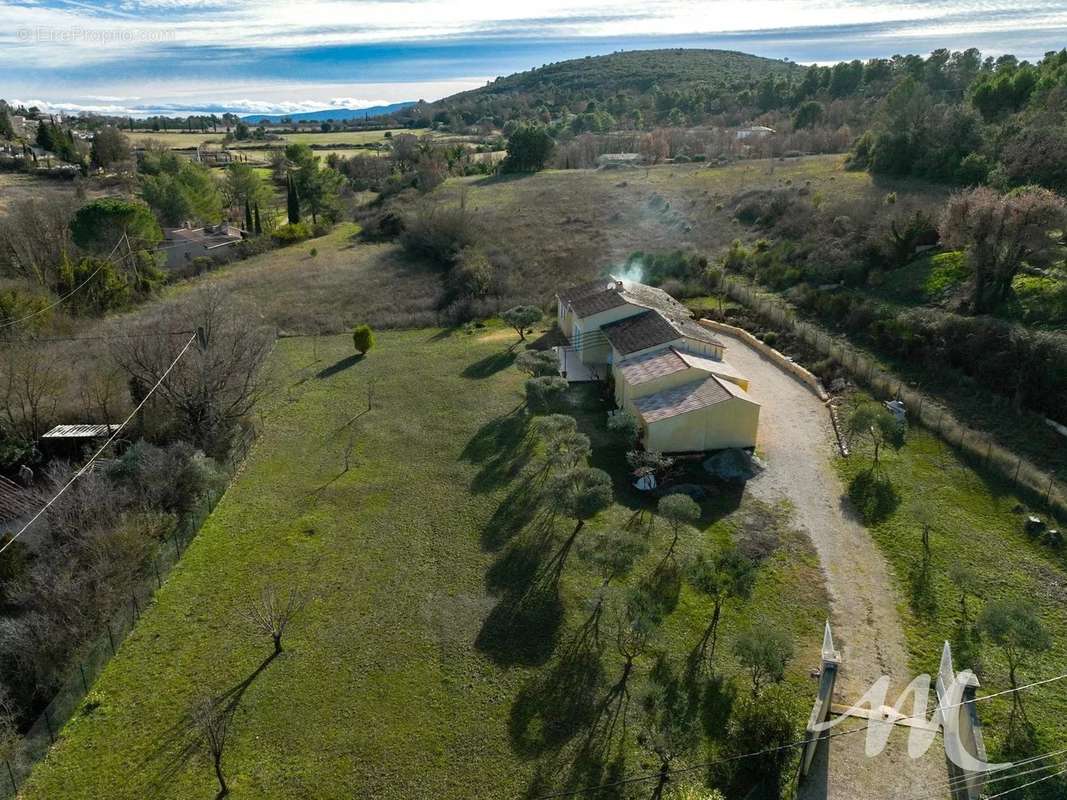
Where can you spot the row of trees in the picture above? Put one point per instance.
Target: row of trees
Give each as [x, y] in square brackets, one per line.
[627, 607]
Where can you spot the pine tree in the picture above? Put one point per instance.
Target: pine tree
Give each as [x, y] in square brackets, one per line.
[258, 224]
[292, 202]
[44, 136]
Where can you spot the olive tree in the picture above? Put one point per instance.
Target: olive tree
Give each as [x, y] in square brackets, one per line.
[538, 363]
[522, 317]
[726, 575]
[544, 393]
[873, 422]
[1014, 626]
[764, 652]
[580, 494]
[680, 511]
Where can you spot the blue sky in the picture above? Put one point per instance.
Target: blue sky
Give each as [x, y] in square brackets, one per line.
[177, 56]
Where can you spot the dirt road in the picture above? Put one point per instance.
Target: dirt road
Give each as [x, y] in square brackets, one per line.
[797, 441]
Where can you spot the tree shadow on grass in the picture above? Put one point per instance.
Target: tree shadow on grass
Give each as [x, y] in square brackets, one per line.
[716, 704]
[517, 510]
[554, 707]
[339, 366]
[501, 448]
[522, 631]
[182, 740]
[442, 334]
[490, 365]
[872, 496]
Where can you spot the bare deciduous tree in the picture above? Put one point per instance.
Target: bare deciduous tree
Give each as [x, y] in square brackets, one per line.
[211, 719]
[213, 386]
[31, 389]
[272, 611]
[34, 235]
[1000, 231]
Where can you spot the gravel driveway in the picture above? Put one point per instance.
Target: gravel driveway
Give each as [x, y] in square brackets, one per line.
[797, 440]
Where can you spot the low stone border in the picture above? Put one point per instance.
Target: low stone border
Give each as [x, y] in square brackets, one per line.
[783, 361]
[835, 420]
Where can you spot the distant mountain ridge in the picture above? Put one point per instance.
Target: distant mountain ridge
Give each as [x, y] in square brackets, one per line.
[338, 114]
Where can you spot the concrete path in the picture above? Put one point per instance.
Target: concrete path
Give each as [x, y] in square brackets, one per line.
[797, 440]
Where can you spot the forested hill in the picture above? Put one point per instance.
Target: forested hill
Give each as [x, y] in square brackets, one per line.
[639, 71]
[636, 74]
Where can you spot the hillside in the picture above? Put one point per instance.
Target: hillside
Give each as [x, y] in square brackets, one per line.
[636, 73]
[639, 71]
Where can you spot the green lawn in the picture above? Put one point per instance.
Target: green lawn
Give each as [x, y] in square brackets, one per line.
[399, 680]
[973, 522]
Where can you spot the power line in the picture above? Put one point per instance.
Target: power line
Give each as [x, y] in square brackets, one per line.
[1001, 774]
[67, 296]
[1027, 785]
[110, 338]
[656, 775]
[103, 447]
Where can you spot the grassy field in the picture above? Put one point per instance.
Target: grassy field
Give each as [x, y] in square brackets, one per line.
[569, 225]
[974, 522]
[399, 679]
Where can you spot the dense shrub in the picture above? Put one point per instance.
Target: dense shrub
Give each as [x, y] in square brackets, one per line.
[363, 339]
[439, 233]
[291, 233]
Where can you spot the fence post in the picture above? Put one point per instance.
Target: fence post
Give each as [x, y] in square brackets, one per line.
[1018, 466]
[111, 637]
[159, 580]
[177, 552]
[48, 725]
[133, 601]
[11, 775]
[1048, 491]
[85, 683]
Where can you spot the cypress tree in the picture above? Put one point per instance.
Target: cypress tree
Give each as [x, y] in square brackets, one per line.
[248, 217]
[258, 225]
[292, 202]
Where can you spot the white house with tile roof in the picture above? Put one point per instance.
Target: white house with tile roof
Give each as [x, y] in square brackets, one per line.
[668, 371]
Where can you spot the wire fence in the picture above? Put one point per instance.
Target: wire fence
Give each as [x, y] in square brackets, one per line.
[1033, 483]
[42, 734]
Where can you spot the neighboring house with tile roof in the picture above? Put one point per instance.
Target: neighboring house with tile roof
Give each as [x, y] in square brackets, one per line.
[668, 370]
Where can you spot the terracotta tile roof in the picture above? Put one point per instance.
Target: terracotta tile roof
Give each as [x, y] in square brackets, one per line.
[682, 399]
[723, 369]
[656, 299]
[585, 289]
[649, 366]
[640, 332]
[694, 330]
[595, 303]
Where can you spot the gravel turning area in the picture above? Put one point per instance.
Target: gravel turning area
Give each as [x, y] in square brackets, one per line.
[797, 441]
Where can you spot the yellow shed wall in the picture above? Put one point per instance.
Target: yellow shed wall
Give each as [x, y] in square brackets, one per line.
[731, 423]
